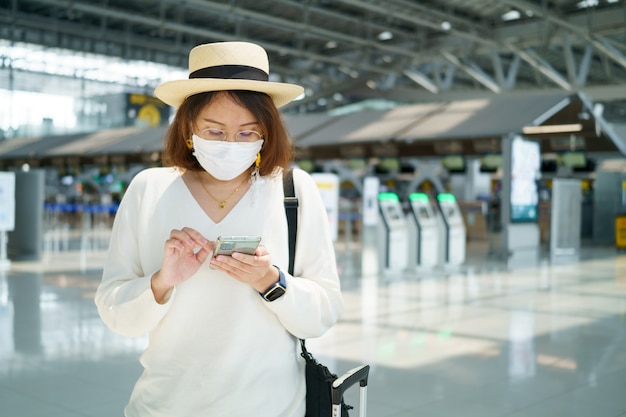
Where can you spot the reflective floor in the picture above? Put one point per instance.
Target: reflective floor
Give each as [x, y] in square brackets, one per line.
[481, 340]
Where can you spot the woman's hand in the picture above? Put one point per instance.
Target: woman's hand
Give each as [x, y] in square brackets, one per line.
[255, 270]
[185, 251]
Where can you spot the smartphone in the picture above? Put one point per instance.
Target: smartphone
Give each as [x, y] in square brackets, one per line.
[226, 245]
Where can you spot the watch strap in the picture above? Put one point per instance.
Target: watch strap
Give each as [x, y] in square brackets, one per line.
[276, 290]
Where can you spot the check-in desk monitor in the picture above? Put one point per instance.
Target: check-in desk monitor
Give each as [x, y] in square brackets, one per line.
[392, 234]
[423, 232]
[454, 229]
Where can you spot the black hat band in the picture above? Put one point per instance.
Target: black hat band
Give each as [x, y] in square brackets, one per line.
[233, 72]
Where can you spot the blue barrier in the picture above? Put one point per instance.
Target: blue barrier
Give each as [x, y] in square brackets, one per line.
[349, 216]
[80, 208]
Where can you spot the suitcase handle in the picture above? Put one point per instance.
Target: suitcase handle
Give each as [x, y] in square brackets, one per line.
[341, 384]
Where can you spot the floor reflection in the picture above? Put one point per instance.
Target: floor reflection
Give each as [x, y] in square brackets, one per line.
[24, 293]
[481, 340]
[51, 318]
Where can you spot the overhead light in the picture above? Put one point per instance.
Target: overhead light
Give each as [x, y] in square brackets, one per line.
[445, 25]
[331, 44]
[587, 3]
[511, 15]
[566, 128]
[348, 71]
[385, 36]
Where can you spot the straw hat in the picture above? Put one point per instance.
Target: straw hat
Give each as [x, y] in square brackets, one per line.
[227, 66]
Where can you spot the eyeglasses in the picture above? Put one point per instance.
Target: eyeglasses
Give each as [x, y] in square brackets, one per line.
[242, 136]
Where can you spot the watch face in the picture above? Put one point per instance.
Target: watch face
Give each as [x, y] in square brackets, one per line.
[275, 293]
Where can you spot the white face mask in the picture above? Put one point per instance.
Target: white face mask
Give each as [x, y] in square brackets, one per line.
[225, 160]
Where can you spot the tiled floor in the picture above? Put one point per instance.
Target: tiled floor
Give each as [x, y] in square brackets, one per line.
[476, 341]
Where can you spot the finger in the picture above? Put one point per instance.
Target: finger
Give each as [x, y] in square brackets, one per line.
[195, 235]
[183, 237]
[249, 266]
[174, 244]
[258, 262]
[261, 251]
[203, 254]
[223, 261]
[244, 258]
[227, 264]
[189, 237]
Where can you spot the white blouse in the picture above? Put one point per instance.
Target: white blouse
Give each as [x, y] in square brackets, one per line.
[216, 348]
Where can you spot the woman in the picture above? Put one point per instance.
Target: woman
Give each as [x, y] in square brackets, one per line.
[222, 330]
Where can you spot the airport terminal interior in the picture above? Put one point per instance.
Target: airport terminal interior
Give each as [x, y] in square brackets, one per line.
[470, 154]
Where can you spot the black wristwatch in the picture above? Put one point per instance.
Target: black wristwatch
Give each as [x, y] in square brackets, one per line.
[276, 290]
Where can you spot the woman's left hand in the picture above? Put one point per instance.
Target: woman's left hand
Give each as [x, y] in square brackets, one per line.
[255, 270]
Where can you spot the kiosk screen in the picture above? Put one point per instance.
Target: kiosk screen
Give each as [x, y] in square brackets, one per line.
[392, 212]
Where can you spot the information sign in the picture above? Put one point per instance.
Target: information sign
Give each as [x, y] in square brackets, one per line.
[7, 201]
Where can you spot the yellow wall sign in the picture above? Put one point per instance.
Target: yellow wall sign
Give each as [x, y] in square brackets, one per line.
[146, 110]
[150, 114]
[620, 231]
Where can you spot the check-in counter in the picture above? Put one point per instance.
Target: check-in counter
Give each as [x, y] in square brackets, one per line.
[423, 233]
[452, 230]
[392, 235]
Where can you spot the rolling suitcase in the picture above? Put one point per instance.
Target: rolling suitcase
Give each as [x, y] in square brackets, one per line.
[344, 382]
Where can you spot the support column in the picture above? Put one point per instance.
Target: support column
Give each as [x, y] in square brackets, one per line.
[25, 242]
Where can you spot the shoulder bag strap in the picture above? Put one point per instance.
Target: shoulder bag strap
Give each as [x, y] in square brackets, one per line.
[291, 210]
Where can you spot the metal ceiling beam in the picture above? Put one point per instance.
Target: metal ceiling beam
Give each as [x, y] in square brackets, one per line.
[506, 81]
[473, 71]
[421, 79]
[236, 12]
[177, 27]
[576, 75]
[415, 51]
[542, 66]
[401, 13]
[597, 41]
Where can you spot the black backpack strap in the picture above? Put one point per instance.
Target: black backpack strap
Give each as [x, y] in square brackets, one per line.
[291, 210]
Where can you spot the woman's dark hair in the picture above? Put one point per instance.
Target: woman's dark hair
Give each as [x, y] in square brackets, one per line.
[277, 148]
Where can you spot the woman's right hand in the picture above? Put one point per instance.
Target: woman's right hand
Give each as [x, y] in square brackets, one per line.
[185, 251]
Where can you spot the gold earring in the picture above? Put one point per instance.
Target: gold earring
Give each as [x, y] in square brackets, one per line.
[258, 160]
[189, 143]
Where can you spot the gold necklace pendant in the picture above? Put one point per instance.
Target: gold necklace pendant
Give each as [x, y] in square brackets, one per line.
[221, 203]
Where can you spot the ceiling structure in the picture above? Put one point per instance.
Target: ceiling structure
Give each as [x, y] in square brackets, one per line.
[348, 51]
[472, 128]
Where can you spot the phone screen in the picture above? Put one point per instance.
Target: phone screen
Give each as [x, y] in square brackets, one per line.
[226, 245]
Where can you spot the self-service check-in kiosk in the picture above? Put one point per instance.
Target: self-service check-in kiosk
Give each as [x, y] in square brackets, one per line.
[423, 232]
[452, 230]
[392, 234]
